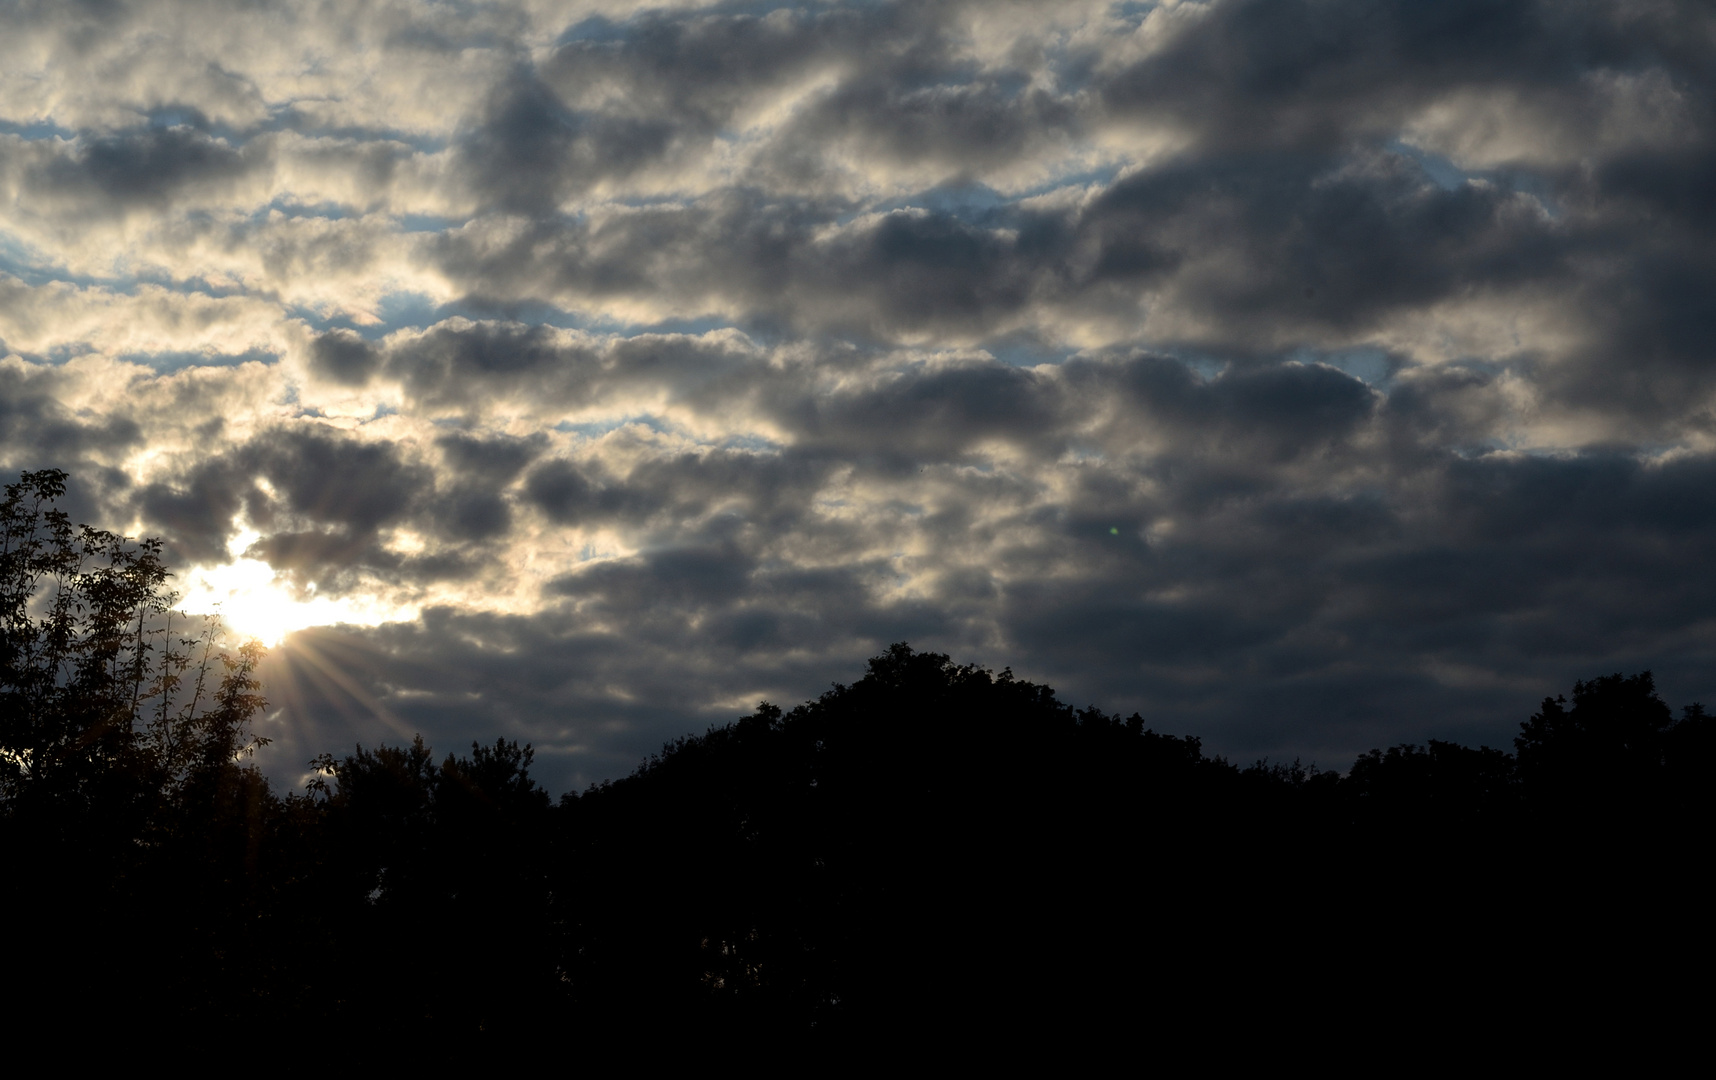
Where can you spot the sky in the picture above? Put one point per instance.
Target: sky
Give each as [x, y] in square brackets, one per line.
[1306, 375]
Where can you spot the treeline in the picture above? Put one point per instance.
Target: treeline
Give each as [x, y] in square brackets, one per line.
[933, 849]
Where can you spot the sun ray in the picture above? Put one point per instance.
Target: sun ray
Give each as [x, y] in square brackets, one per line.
[325, 670]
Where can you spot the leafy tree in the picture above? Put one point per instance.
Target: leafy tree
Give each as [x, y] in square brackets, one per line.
[420, 865]
[1444, 788]
[1602, 762]
[933, 847]
[100, 694]
[121, 788]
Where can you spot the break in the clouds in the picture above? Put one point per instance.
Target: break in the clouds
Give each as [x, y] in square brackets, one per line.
[1308, 376]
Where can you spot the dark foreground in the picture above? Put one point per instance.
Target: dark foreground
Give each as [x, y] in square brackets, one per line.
[932, 849]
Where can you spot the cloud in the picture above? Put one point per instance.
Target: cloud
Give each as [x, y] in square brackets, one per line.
[1306, 376]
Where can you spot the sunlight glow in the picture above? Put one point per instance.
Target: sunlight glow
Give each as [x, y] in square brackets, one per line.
[253, 603]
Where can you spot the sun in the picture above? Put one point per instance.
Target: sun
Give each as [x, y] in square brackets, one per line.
[252, 603]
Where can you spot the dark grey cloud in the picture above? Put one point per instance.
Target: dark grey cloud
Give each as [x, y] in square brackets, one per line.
[706, 64]
[1258, 416]
[196, 513]
[1260, 246]
[38, 432]
[683, 580]
[697, 497]
[318, 497]
[531, 151]
[1528, 566]
[492, 460]
[443, 366]
[1306, 242]
[338, 481]
[343, 357]
[669, 82]
[928, 416]
[904, 271]
[566, 495]
[34, 426]
[151, 168]
[1315, 75]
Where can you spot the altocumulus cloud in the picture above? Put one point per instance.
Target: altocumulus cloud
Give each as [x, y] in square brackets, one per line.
[1309, 376]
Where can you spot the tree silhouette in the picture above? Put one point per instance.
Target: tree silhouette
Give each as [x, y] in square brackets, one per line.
[418, 866]
[1603, 760]
[121, 787]
[932, 848]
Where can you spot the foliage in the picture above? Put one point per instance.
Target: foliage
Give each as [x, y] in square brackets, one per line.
[123, 725]
[96, 680]
[411, 853]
